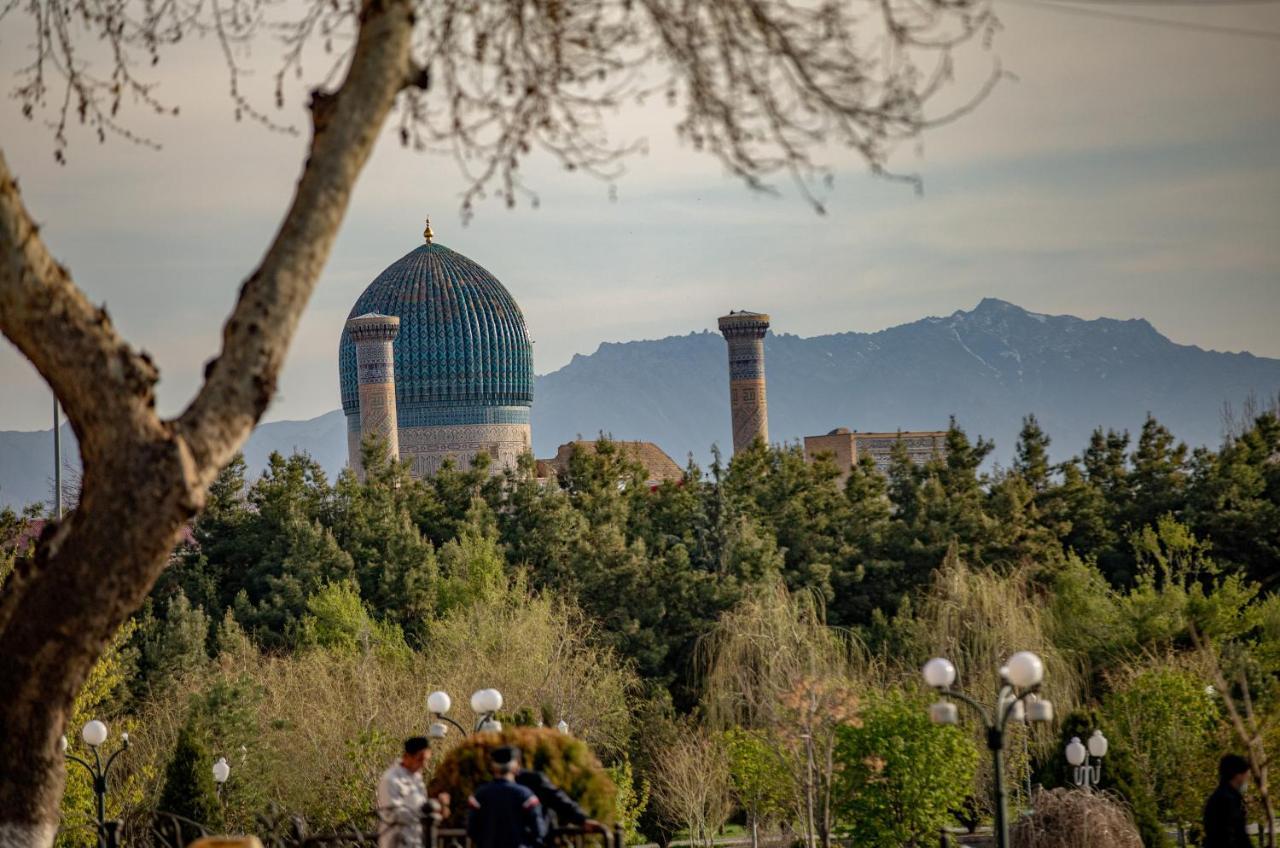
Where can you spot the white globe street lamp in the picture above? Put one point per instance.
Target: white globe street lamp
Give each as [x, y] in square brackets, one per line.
[1087, 774]
[944, 712]
[439, 702]
[1016, 701]
[221, 771]
[939, 673]
[1076, 751]
[94, 733]
[1025, 670]
[1098, 744]
[484, 703]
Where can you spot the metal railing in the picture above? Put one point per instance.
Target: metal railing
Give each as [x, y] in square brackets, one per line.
[284, 830]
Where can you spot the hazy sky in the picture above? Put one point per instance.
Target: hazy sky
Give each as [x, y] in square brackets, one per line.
[1129, 170]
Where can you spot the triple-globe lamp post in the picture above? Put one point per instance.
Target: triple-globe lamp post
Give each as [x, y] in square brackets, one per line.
[1015, 701]
[95, 733]
[1086, 758]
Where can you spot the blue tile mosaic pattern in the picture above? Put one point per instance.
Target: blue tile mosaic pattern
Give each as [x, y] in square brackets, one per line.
[430, 415]
[462, 341]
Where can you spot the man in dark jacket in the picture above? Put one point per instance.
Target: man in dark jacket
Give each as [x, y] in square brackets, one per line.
[1224, 816]
[504, 814]
[557, 806]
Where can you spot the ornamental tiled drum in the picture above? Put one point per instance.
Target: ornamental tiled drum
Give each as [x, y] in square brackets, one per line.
[461, 381]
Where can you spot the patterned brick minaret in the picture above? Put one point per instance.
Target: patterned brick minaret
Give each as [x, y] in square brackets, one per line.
[744, 331]
[376, 378]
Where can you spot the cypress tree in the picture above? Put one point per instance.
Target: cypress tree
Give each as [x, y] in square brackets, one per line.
[189, 791]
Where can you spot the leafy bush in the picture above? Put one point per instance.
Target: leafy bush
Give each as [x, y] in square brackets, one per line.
[567, 762]
[763, 780]
[632, 800]
[1121, 775]
[901, 776]
[1170, 723]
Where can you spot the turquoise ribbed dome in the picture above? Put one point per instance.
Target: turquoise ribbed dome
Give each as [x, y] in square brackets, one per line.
[463, 354]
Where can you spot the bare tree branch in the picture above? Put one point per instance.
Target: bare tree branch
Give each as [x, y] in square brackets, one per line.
[242, 380]
[72, 343]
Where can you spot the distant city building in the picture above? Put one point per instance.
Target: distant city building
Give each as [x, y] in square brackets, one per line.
[744, 332]
[436, 361]
[849, 446]
[658, 466]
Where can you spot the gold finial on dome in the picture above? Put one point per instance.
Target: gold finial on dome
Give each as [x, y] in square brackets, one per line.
[427, 233]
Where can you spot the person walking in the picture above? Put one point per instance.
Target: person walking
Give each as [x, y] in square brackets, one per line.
[504, 814]
[402, 795]
[1224, 812]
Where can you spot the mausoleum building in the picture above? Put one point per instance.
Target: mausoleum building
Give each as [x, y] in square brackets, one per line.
[436, 361]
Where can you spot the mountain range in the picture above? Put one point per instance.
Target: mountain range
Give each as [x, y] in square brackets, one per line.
[988, 367]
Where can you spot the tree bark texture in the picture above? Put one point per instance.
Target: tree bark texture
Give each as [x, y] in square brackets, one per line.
[145, 477]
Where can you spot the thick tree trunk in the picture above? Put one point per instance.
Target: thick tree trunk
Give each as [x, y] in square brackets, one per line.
[144, 478]
[124, 528]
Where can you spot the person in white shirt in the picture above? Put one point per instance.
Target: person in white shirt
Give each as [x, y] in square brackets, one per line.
[401, 796]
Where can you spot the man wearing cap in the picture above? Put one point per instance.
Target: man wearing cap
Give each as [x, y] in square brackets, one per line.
[401, 796]
[504, 814]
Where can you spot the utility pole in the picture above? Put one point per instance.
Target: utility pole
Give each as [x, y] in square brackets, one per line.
[57, 459]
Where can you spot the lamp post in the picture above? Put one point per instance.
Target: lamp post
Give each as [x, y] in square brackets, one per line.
[563, 727]
[221, 771]
[1087, 774]
[95, 733]
[484, 703]
[1019, 679]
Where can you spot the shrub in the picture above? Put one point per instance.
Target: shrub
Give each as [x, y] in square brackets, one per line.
[567, 762]
[1170, 723]
[762, 777]
[1076, 818]
[1121, 775]
[691, 784]
[632, 800]
[901, 776]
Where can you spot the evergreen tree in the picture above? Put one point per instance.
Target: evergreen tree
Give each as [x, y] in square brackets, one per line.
[189, 791]
[1031, 455]
[1106, 468]
[867, 579]
[392, 560]
[170, 646]
[1233, 500]
[1159, 477]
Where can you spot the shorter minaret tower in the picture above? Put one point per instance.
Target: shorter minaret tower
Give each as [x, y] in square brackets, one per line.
[744, 332]
[376, 378]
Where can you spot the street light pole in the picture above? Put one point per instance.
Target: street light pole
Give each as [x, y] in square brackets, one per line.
[95, 734]
[1087, 760]
[1019, 680]
[57, 460]
[221, 771]
[485, 703]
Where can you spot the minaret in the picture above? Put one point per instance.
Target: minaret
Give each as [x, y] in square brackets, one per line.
[376, 378]
[744, 331]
